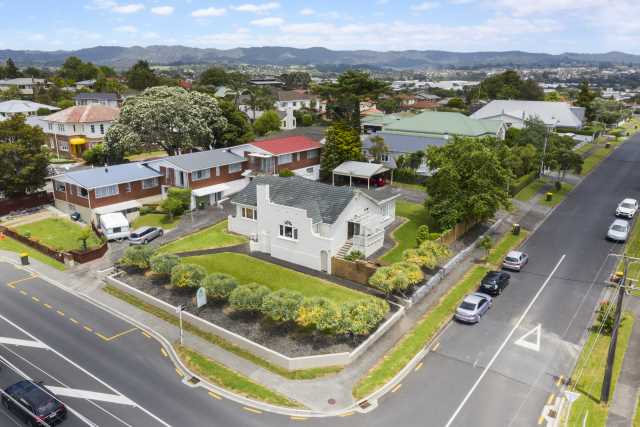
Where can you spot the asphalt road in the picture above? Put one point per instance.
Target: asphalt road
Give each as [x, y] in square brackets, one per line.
[475, 375]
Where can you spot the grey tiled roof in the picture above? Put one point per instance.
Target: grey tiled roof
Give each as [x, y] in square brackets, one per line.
[323, 202]
[116, 174]
[204, 159]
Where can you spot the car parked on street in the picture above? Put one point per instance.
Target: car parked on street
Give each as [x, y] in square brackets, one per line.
[515, 260]
[618, 230]
[473, 307]
[33, 404]
[494, 282]
[143, 235]
[627, 208]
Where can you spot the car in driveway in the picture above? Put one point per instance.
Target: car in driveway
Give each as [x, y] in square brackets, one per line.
[33, 404]
[143, 235]
[494, 282]
[618, 230]
[473, 307]
[627, 208]
[515, 260]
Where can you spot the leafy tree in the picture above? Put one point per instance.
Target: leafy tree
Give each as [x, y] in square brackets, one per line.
[35, 73]
[96, 155]
[137, 256]
[342, 144]
[11, 93]
[219, 286]
[260, 99]
[238, 130]
[171, 117]
[23, 160]
[469, 182]
[429, 254]
[553, 96]
[187, 275]
[456, 103]
[248, 297]
[63, 104]
[75, 70]
[104, 71]
[389, 280]
[362, 317]
[269, 121]
[307, 120]
[177, 201]
[378, 148]
[282, 305]
[141, 76]
[561, 157]
[285, 173]
[485, 244]
[213, 76]
[412, 271]
[585, 98]
[607, 317]
[237, 82]
[389, 105]
[85, 234]
[423, 234]
[296, 80]
[320, 313]
[109, 85]
[509, 85]
[10, 69]
[163, 263]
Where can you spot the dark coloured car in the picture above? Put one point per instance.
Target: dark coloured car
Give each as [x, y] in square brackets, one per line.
[494, 282]
[144, 235]
[33, 404]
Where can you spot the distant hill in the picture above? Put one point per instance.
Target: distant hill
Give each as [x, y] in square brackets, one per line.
[122, 57]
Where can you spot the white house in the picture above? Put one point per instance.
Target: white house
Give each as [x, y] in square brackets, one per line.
[307, 222]
[516, 113]
[12, 107]
[299, 99]
[26, 85]
[98, 98]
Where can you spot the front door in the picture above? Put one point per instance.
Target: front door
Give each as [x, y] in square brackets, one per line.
[353, 229]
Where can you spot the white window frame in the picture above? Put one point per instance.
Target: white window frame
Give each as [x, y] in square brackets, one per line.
[288, 231]
[285, 159]
[150, 183]
[201, 175]
[107, 191]
[64, 146]
[249, 213]
[127, 187]
[234, 168]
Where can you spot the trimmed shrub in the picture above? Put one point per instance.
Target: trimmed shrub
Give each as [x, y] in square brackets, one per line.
[362, 317]
[429, 254]
[282, 305]
[248, 297]
[163, 263]
[413, 272]
[320, 313]
[181, 194]
[354, 256]
[137, 256]
[389, 279]
[187, 275]
[285, 173]
[219, 286]
[422, 234]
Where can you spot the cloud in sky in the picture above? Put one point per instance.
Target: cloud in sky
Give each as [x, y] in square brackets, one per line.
[163, 10]
[424, 6]
[257, 8]
[208, 12]
[128, 8]
[307, 11]
[267, 22]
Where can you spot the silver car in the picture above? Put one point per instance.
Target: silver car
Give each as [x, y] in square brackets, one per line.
[627, 208]
[473, 307]
[618, 230]
[515, 260]
[143, 235]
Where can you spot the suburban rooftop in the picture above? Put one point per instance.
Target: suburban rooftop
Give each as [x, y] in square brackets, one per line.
[108, 175]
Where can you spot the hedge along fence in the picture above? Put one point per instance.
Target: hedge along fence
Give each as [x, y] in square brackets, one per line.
[519, 183]
[274, 357]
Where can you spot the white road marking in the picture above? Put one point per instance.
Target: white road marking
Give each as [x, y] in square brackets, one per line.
[504, 344]
[22, 343]
[90, 395]
[522, 341]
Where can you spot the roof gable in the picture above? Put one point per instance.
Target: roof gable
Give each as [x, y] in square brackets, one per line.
[93, 113]
[291, 144]
[200, 160]
[551, 113]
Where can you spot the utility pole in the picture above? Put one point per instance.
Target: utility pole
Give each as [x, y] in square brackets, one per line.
[608, 372]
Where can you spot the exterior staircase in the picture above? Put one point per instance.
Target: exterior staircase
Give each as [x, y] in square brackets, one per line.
[345, 249]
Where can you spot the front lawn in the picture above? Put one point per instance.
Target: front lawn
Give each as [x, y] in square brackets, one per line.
[155, 220]
[405, 235]
[11, 245]
[58, 234]
[247, 269]
[215, 236]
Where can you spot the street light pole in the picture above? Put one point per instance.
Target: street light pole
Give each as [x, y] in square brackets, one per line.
[180, 308]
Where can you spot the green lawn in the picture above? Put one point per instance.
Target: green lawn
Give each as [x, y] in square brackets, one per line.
[557, 196]
[590, 382]
[584, 148]
[632, 249]
[636, 417]
[415, 187]
[156, 220]
[215, 236]
[231, 380]
[530, 190]
[57, 233]
[147, 155]
[405, 235]
[504, 245]
[9, 244]
[252, 270]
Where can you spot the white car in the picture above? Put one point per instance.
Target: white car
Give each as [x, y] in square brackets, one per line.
[618, 230]
[515, 260]
[627, 208]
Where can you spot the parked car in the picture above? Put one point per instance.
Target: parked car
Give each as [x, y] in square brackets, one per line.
[33, 404]
[143, 235]
[494, 282]
[473, 307]
[377, 181]
[627, 208]
[618, 230]
[515, 260]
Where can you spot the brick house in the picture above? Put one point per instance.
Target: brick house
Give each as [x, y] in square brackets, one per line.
[97, 191]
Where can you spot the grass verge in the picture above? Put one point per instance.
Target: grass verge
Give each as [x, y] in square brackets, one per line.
[156, 220]
[215, 236]
[9, 244]
[503, 246]
[590, 382]
[231, 380]
[307, 374]
[530, 190]
[405, 235]
[558, 196]
[598, 155]
[57, 233]
[636, 416]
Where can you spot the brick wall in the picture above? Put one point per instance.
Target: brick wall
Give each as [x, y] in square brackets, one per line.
[214, 178]
[302, 161]
[137, 192]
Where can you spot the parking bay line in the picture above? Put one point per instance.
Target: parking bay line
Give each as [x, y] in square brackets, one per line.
[504, 343]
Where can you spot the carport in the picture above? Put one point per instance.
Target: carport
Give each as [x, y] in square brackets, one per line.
[360, 170]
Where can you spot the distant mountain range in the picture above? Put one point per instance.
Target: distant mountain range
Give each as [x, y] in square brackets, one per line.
[122, 57]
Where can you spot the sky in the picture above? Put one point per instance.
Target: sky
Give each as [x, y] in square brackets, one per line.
[551, 26]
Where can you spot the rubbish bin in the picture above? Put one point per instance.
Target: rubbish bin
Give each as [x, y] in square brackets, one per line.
[24, 258]
[607, 145]
[515, 230]
[549, 196]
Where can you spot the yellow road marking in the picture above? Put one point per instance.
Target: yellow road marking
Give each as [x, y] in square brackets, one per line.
[11, 285]
[215, 396]
[550, 399]
[145, 334]
[164, 353]
[541, 419]
[24, 293]
[396, 388]
[15, 282]
[35, 299]
[121, 334]
[298, 418]
[88, 329]
[102, 337]
[47, 306]
[179, 372]
[61, 313]
[559, 381]
[435, 347]
[255, 411]
[418, 366]
[74, 320]
[348, 414]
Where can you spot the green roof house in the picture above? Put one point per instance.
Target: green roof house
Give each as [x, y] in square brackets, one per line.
[434, 124]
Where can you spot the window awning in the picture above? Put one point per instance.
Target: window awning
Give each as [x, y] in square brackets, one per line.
[212, 189]
[118, 207]
[77, 141]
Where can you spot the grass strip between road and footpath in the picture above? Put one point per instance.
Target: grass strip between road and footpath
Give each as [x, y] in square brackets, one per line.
[590, 369]
[530, 190]
[557, 196]
[636, 416]
[231, 380]
[432, 322]
[597, 155]
[12, 245]
[306, 374]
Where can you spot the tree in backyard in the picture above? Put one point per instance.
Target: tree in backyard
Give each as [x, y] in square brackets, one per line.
[269, 121]
[296, 80]
[552, 96]
[378, 148]
[342, 144]
[429, 254]
[509, 85]
[237, 82]
[319, 313]
[282, 305]
[138, 256]
[389, 105]
[469, 182]
[585, 98]
[187, 275]
[171, 117]
[344, 96]
[10, 69]
[23, 160]
[213, 76]
[219, 286]
[362, 317]
[260, 98]
[140, 76]
[74, 69]
[248, 297]
[533, 133]
[96, 155]
[457, 103]
[238, 129]
[109, 85]
[163, 263]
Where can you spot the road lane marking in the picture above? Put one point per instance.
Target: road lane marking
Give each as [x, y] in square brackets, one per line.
[294, 418]
[504, 343]
[23, 292]
[550, 399]
[11, 285]
[22, 343]
[88, 329]
[179, 372]
[35, 299]
[348, 414]
[541, 420]
[523, 342]
[255, 411]
[418, 366]
[91, 395]
[215, 396]
[74, 320]
[559, 381]
[164, 353]
[435, 347]
[47, 306]
[121, 334]
[396, 388]
[15, 282]
[61, 313]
